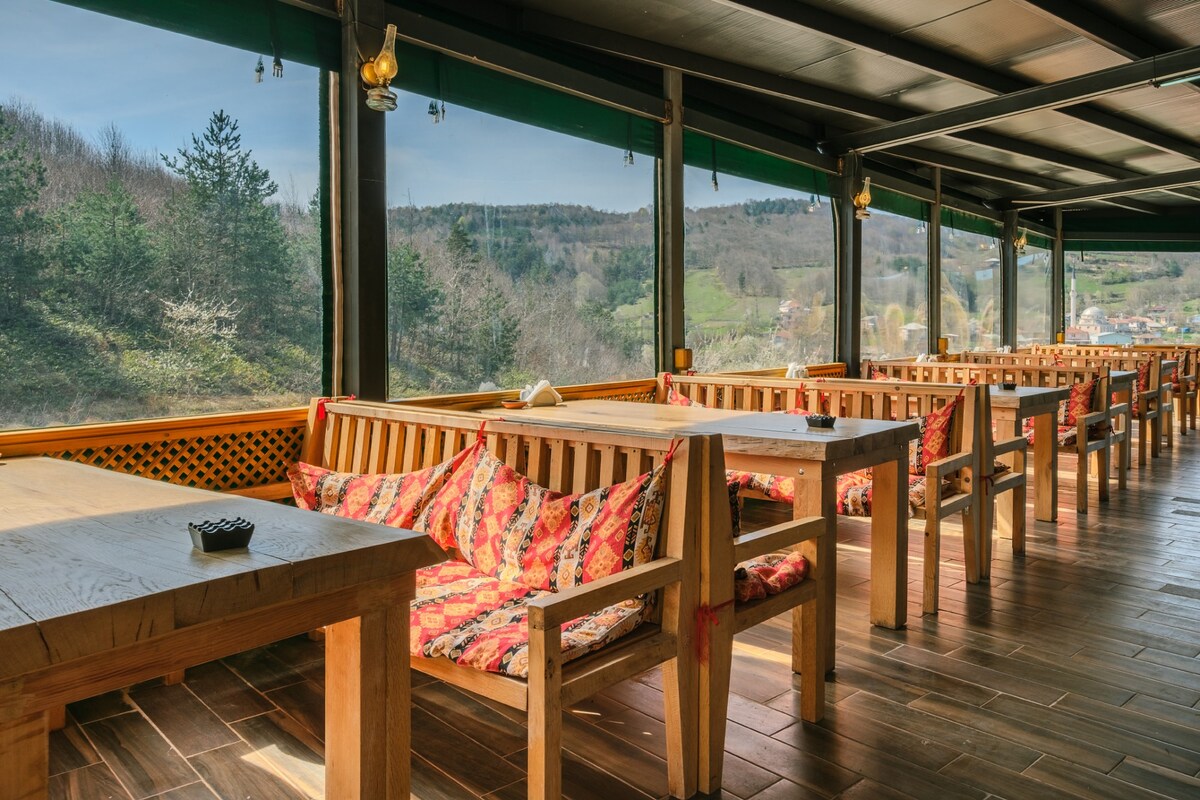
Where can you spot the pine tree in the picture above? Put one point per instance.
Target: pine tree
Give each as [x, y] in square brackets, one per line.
[22, 177]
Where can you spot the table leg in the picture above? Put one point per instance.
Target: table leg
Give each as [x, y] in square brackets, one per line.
[1045, 468]
[816, 495]
[367, 706]
[889, 544]
[25, 757]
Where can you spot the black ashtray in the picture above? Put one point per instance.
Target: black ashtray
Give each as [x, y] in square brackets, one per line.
[1008, 385]
[224, 534]
[819, 420]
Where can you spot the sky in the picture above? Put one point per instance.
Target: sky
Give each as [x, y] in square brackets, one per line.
[89, 70]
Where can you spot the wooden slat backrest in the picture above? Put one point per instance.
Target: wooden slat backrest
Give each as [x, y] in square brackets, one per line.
[1114, 359]
[832, 369]
[1045, 376]
[640, 390]
[355, 436]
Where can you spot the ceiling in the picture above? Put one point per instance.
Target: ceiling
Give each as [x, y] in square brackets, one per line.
[882, 61]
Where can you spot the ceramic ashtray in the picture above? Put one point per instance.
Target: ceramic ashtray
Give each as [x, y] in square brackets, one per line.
[1008, 385]
[819, 420]
[224, 534]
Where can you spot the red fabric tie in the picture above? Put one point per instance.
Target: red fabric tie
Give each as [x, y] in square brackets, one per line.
[322, 402]
[671, 452]
[706, 616]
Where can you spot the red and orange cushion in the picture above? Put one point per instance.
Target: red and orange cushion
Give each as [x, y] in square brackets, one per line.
[767, 575]
[395, 499]
[854, 489]
[480, 621]
[1079, 402]
[933, 444]
[510, 528]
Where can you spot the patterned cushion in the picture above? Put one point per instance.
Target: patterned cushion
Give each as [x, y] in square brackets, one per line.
[767, 575]
[1068, 435]
[1143, 377]
[508, 527]
[880, 375]
[933, 444]
[395, 499]
[854, 489]
[1078, 403]
[479, 621]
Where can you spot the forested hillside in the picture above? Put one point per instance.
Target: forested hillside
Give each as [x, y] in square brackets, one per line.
[136, 285]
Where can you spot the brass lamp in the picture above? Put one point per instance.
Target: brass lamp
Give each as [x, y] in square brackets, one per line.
[378, 72]
[1020, 242]
[862, 200]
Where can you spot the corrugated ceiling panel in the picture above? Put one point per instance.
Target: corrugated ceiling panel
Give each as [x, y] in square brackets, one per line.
[1176, 21]
[1065, 60]
[994, 33]
[870, 75]
[896, 16]
[940, 94]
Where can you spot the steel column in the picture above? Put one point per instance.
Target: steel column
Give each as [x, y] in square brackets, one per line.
[848, 268]
[669, 278]
[1057, 275]
[933, 230]
[1008, 280]
[363, 215]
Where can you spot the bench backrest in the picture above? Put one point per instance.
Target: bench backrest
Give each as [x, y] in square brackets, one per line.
[846, 397]
[832, 369]
[1116, 359]
[1052, 376]
[355, 436]
[638, 390]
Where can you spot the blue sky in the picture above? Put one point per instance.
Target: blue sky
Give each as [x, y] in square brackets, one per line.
[89, 70]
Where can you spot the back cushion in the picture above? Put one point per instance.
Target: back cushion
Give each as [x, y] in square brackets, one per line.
[1078, 403]
[674, 398]
[1143, 377]
[507, 526]
[933, 443]
[395, 499]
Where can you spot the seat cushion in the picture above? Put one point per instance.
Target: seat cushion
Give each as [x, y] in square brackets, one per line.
[854, 489]
[395, 499]
[506, 526]
[1068, 435]
[480, 621]
[768, 575]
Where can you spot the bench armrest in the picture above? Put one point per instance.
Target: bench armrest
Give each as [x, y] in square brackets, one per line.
[777, 537]
[564, 606]
[946, 466]
[1012, 445]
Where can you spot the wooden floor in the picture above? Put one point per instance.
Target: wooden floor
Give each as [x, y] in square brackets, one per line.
[1073, 674]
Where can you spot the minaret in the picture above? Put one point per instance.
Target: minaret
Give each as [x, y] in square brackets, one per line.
[1073, 320]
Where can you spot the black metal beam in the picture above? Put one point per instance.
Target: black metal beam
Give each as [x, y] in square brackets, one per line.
[847, 346]
[856, 33]
[1177, 64]
[1102, 191]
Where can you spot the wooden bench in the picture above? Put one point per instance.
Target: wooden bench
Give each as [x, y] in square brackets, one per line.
[694, 569]
[967, 470]
[1050, 376]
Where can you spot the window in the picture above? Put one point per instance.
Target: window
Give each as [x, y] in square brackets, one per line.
[159, 238]
[1132, 297]
[895, 256]
[1034, 291]
[758, 273]
[970, 290]
[515, 254]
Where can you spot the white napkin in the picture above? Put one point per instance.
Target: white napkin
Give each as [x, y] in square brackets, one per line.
[795, 370]
[541, 394]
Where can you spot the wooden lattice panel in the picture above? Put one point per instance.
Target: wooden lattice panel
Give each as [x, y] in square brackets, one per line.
[221, 462]
[644, 396]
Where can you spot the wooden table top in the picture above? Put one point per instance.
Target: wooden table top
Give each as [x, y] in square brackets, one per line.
[1027, 396]
[751, 432]
[92, 560]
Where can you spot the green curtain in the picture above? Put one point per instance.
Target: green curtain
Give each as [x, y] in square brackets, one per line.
[730, 159]
[969, 223]
[251, 25]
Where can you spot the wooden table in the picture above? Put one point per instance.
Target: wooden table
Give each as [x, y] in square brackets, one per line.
[785, 445]
[100, 588]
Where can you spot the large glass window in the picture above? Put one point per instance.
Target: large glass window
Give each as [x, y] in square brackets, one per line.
[1034, 292]
[1132, 297]
[159, 244]
[515, 254]
[758, 273]
[970, 290]
[895, 258]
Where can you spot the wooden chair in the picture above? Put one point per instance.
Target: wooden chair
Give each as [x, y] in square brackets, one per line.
[884, 400]
[371, 437]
